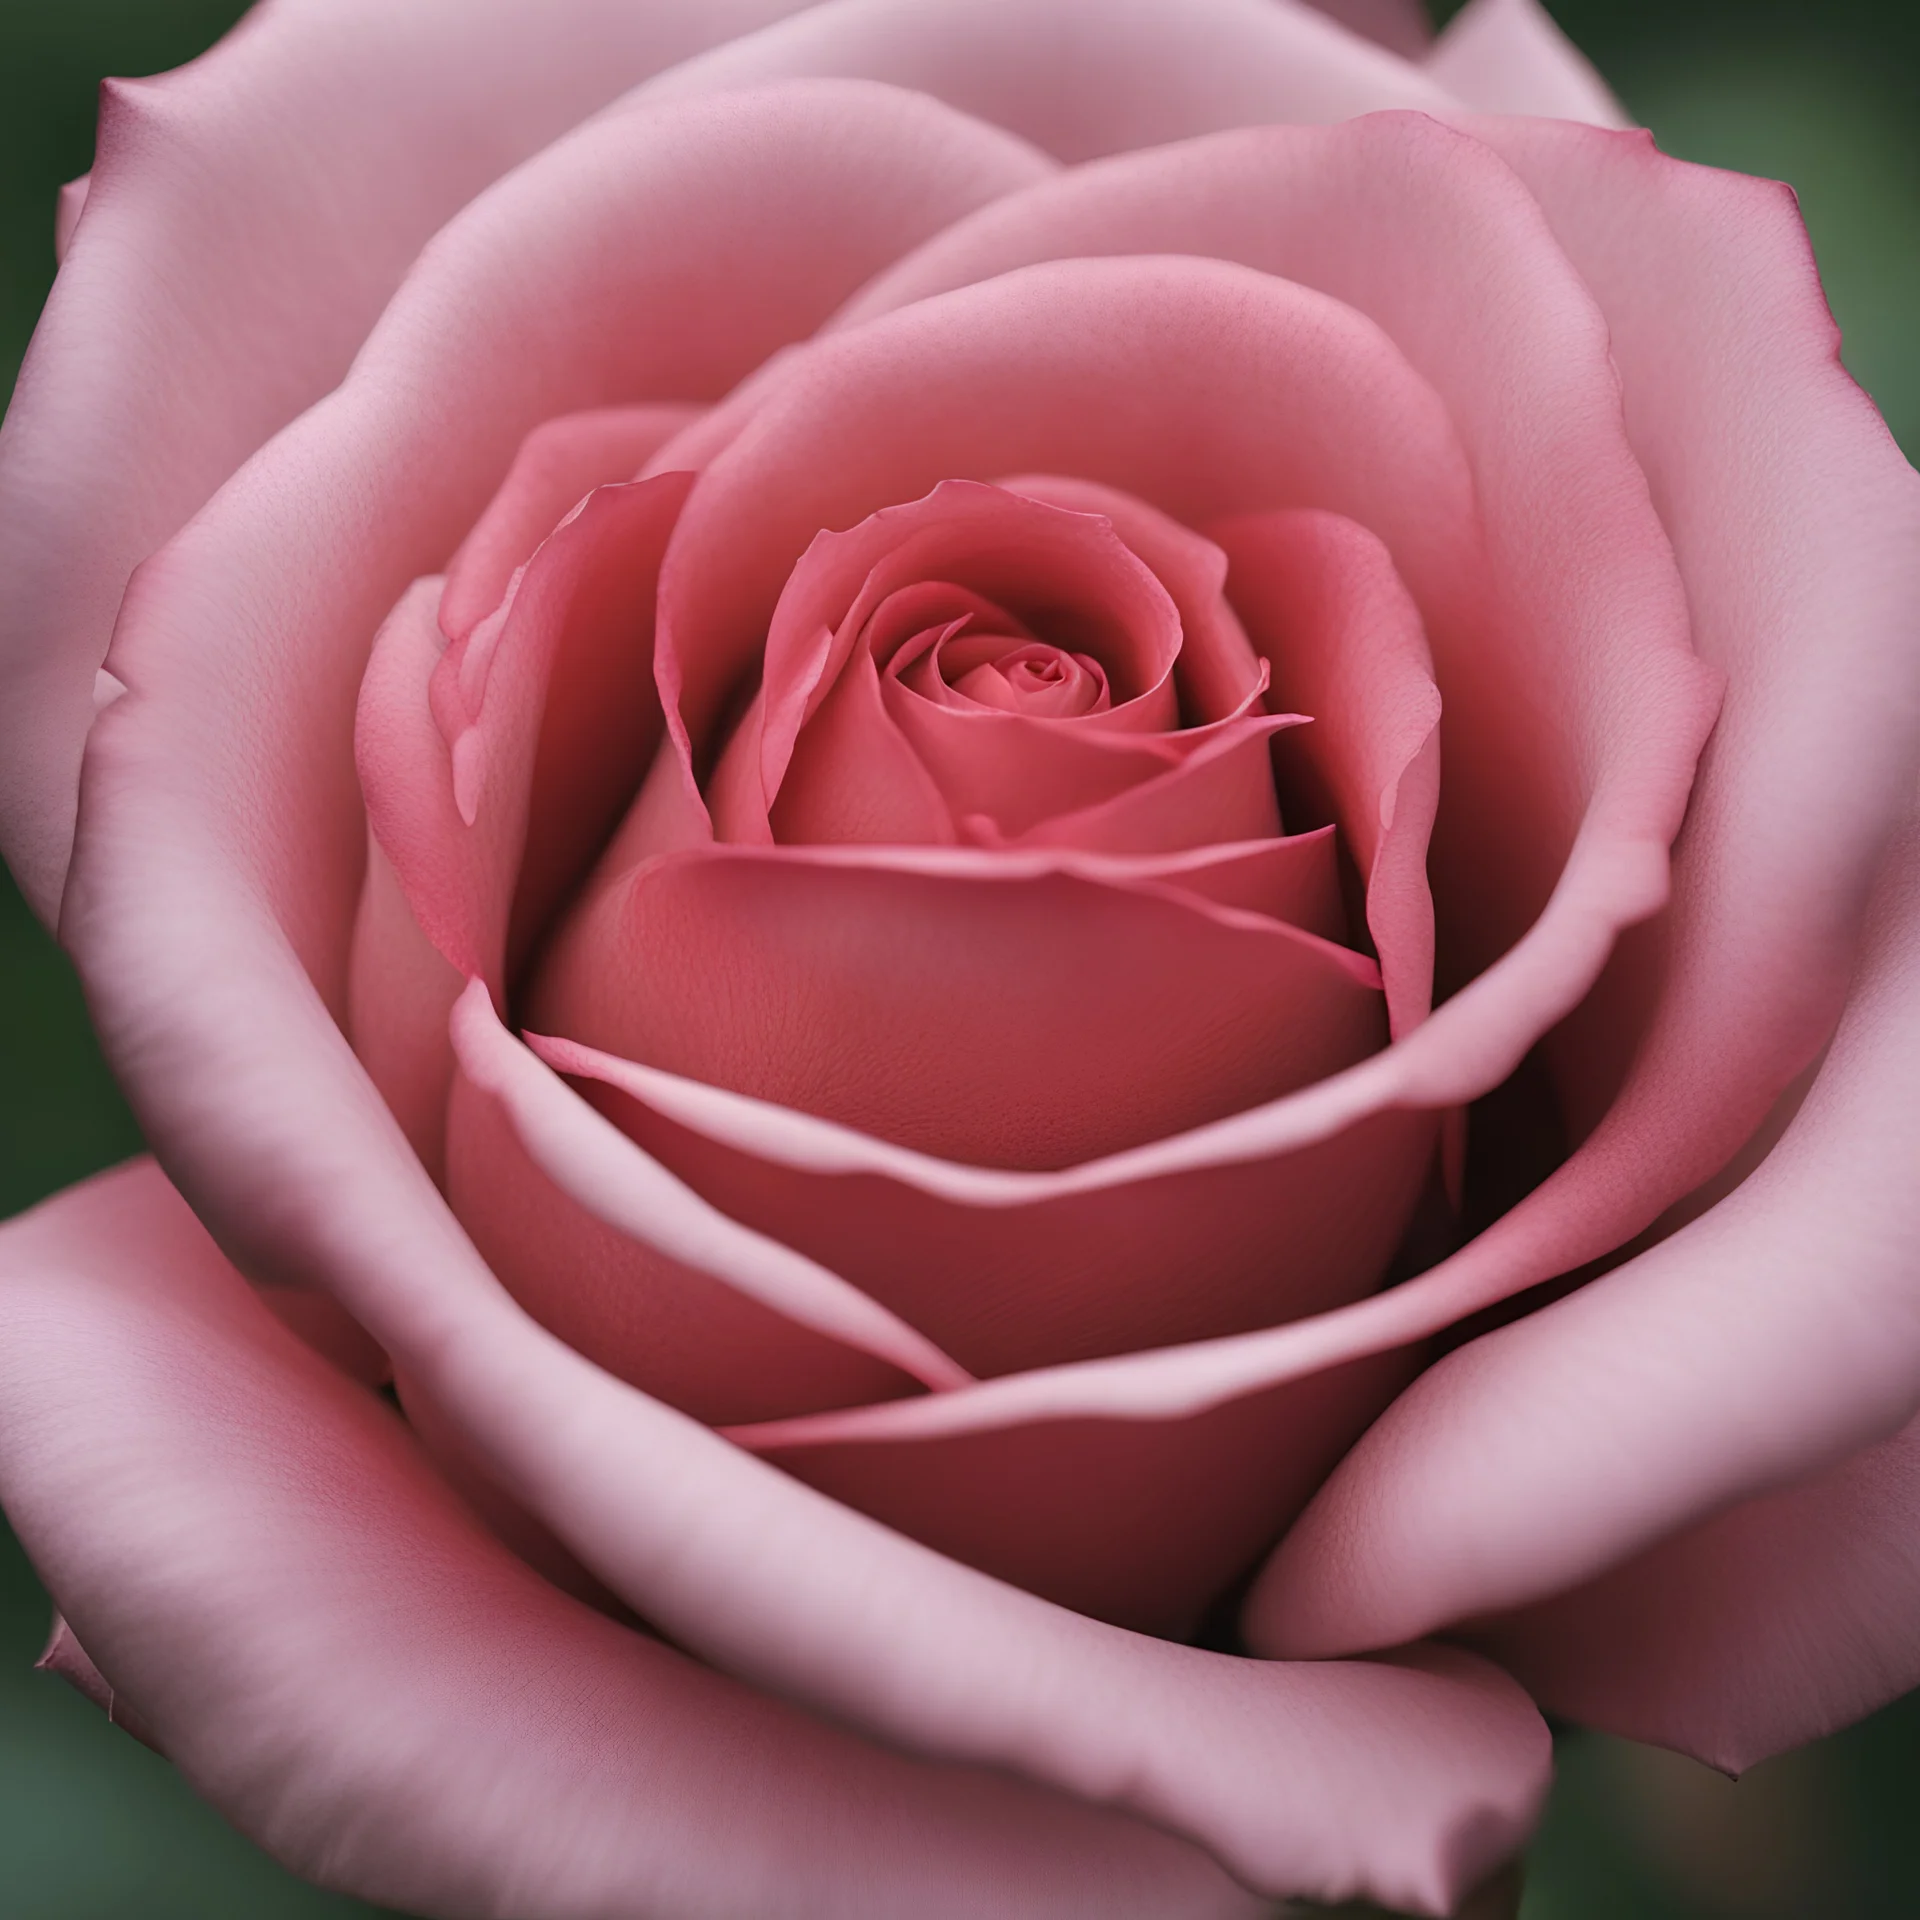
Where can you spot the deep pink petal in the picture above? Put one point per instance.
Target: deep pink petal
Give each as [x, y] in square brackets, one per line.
[1507, 56]
[1083, 77]
[1218, 673]
[1345, 645]
[288, 1600]
[1778, 1622]
[1142, 1522]
[559, 463]
[189, 325]
[600, 1170]
[1772, 1336]
[1401, 26]
[1012, 1272]
[1024, 1020]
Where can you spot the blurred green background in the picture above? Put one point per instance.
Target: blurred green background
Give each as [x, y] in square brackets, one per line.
[94, 1827]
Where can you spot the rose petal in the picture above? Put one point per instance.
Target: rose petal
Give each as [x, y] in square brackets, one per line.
[1073, 1016]
[1029, 372]
[614, 1180]
[355, 1674]
[1401, 26]
[1345, 644]
[1141, 1522]
[1082, 77]
[559, 463]
[1775, 1623]
[1315, 203]
[1770, 1337]
[1009, 1272]
[1507, 56]
[188, 326]
[1218, 672]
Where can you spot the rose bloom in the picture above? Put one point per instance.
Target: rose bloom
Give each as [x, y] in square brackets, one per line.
[1013, 902]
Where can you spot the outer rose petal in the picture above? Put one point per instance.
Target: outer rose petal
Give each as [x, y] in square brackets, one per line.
[606, 269]
[1772, 1336]
[1779, 1621]
[1507, 56]
[187, 326]
[331, 1650]
[1811, 765]
[1083, 77]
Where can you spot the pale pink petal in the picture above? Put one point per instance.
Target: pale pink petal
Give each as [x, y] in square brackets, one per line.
[1778, 1622]
[1146, 1523]
[1772, 1336]
[559, 463]
[1074, 1016]
[1083, 77]
[67, 209]
[609, 1176]
[190, 324]
[1811, 765]
[1507, 56]
[1013, 1272]
[1401, 26]
[280, 1592]
[1345, 644]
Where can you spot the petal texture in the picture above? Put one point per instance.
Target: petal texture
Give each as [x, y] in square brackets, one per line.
[189, 326]
[337, 1656]
[1774, 1335]
[1507, 56]
[1777, 1622]
[1083, 77]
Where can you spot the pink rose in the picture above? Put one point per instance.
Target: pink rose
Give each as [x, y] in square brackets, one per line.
[847, 997]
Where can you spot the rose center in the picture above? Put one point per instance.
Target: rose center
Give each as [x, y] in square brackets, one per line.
[1023, 676]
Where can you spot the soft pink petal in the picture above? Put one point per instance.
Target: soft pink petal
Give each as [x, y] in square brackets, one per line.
[602, 1171]
[1083, 77]
[560, 462]
[1755, 442]
[1009, 1272]
[1507, 56]
[189, 324]
[1401, 26]
[1142, 1522]
[605, 270]
[288, 1601]
[1345, 644]
[1025, 1020]
[1780, 1621]
[1772, 1336]
[67, 209]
